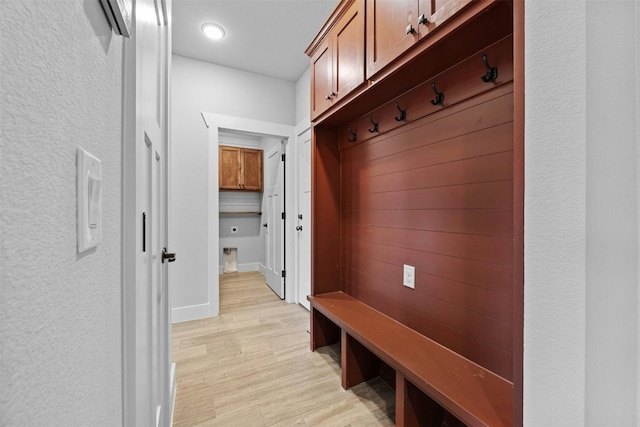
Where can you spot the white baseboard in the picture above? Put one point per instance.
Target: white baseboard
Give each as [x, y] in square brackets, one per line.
[192, 312]
[243, 268]
[262, 269]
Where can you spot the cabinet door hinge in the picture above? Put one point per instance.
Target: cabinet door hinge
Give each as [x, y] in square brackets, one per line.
[283, 157]
[284, 215]
[284, 273]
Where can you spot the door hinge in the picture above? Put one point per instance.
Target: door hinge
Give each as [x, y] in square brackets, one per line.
[283, 157]
[284, 215]
[284, 273]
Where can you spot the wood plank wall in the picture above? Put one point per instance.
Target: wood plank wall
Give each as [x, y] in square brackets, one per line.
[437, 194]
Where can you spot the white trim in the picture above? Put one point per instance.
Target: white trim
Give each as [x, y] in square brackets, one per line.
[172, 397]
[301, 128]
[262, 269]
[246, 267]
[215, 122]
[190, 312]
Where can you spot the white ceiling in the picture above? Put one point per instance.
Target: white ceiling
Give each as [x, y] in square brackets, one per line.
[266, 37]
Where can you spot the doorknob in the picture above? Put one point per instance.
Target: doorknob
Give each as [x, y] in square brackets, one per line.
[264, 225]
[169, 256]
[299, 228]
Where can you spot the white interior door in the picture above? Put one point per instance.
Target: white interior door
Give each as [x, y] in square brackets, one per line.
[303, 228]
[274, 223]
[149, 388]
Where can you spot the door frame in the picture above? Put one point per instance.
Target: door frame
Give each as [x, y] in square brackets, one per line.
[131, 235]
[214, 123]
[301, 128]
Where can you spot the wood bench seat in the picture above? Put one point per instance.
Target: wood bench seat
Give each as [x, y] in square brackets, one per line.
[471, 393]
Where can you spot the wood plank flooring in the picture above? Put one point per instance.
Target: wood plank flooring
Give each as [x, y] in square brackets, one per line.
[251, 366]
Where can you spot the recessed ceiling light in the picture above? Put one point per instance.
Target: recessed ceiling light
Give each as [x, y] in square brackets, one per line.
[213, 31]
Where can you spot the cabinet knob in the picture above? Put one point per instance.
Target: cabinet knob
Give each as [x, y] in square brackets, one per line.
[423, 20]
[299, 228]
[331, 95]
[410, 29]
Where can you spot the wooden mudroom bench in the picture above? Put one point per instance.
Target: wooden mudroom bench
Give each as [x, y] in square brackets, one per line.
[473, 394]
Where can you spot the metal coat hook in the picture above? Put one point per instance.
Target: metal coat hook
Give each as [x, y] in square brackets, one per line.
[403, 114]
[439, 95]
[353, 136]
[492, 72]
[375, 125]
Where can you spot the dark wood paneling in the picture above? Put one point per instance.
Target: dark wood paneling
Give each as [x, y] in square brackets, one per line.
[490, 109]
[488, 222]
[396, 191]
[488, 303]
[518, 210]
[494, 167]
[496, 250]
[462, 147]
[484, 275]
[489, 195]
[325, 204]
[495, 333]
[490, 357]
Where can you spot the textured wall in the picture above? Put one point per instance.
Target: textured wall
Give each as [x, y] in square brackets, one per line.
[60, 327]
[612, 214]
[581, 213]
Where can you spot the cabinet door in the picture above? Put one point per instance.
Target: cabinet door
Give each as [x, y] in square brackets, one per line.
[321, 79]
[229, 168]
[348, 50]
[442, 10]
[252, 169]
[387, 38]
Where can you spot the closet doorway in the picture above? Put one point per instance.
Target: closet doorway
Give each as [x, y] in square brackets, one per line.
[272, 203]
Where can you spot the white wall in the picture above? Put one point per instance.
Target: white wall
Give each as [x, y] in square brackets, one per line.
[202, 87]
[303, 97]
[60, 315]
[581, 213]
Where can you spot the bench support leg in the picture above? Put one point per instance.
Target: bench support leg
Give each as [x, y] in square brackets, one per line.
[414, 408]
[323, 331]
[358, 363]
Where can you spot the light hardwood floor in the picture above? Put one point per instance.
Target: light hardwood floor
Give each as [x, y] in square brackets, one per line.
[251, 366]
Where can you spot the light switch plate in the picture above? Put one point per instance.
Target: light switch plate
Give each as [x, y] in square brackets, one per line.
[409, 276]
[89, 200]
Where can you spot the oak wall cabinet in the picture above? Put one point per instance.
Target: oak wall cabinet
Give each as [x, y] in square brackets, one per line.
[393, 26]
[422, 164]
[240, 169]
[337, 62]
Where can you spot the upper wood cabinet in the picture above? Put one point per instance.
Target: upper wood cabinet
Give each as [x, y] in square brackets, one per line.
[393, 26]
[240, 169]
[337, 61]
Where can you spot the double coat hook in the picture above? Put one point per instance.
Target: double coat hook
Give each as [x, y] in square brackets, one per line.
[375, 125]
[439, 95]
[492, 72]
[353, 136]
[403, 114]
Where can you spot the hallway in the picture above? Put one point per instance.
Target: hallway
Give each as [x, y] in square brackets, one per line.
[252, 366]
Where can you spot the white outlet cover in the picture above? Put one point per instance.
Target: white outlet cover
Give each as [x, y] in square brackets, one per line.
[89, 200]
[409, 276]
